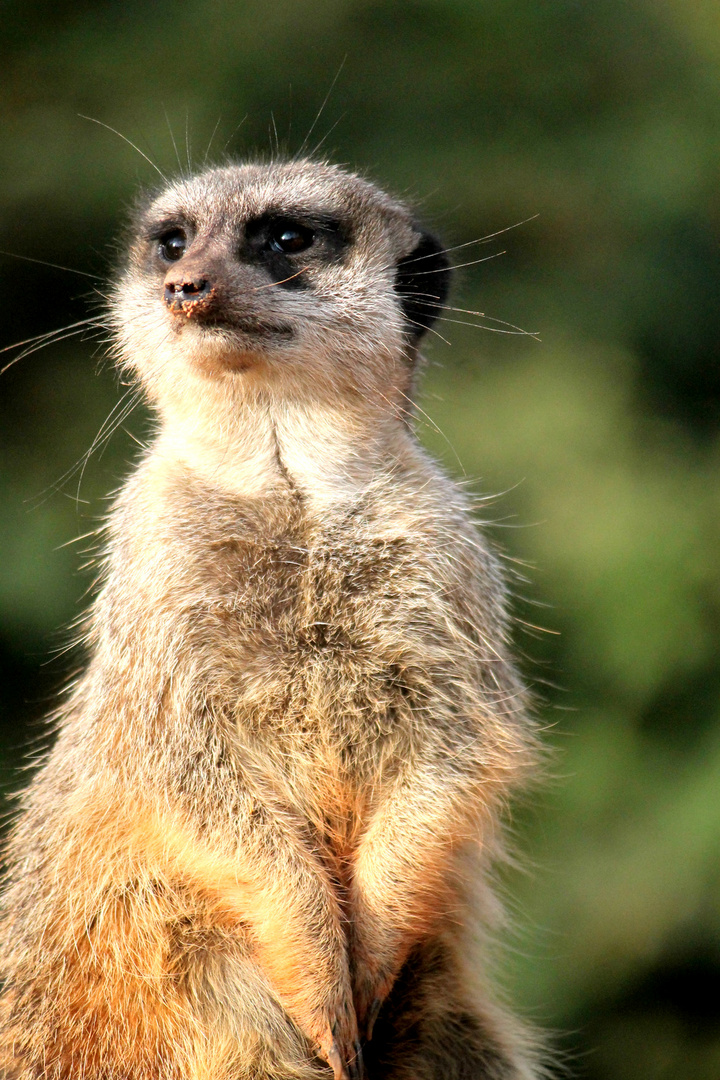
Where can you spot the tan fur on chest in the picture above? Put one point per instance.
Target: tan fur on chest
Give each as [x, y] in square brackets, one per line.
[306, 638]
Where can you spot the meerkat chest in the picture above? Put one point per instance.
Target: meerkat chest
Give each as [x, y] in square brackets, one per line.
[311, 634]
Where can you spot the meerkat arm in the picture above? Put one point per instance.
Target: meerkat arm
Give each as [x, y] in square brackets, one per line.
[402, 878]
[295, 929]
[267, 886]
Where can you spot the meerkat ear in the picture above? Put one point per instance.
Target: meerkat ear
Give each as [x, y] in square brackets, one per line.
[422, 282]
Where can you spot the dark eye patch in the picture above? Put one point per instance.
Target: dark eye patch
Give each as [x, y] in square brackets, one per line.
[282, 242]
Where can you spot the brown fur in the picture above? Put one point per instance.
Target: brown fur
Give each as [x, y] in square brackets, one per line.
[275, 794]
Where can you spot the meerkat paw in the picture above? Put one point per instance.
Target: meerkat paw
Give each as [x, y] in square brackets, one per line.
[372, 982]
[339, 1044]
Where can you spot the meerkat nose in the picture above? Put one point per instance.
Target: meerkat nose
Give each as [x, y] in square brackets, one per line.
[188, 293]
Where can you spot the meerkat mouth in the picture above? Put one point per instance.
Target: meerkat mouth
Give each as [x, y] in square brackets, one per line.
[252, 328]
[233, 331]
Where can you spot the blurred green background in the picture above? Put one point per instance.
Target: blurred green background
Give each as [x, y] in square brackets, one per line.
[603, 119]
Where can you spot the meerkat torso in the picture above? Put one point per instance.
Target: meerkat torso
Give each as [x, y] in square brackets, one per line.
[274, 796]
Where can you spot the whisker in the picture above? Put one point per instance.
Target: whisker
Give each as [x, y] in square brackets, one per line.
[110, 420]
[35, 348]
[517, 332]
[439, 430]
[431, 301]
[271, 284]
[187, 141]
[172, 140]
[53, 266]
[468, 243]
[275, 133]
[398, 410]
[120, 407]
[107, 431]
[433, 304]
[499, 232]
[327, 135]
[234, 133]
[415, 408]
[320, 110]
[128, 141]
[214, 132]
[501, 322]
[49, 334]
[52, 338]
[425, 329]
[459, 266]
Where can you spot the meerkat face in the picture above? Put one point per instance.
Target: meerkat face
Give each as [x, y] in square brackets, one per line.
[297, 278]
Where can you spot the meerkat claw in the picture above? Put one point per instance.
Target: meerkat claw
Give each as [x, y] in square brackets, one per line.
[356, 1067]
[335, 1062]
[372, 1016]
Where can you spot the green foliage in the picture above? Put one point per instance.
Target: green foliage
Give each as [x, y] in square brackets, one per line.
[602, 120]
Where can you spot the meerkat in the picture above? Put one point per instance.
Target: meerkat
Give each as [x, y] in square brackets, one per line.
[261, 845]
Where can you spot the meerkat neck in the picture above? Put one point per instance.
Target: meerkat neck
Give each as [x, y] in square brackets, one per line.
[326, 454]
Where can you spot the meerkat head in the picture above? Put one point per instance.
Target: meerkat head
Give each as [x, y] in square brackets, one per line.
[293, 279]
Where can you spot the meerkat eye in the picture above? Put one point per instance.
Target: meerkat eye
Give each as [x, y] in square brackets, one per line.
[173, 245]
[290, 238]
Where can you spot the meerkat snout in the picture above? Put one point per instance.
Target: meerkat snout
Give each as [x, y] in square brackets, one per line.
[188, 294]
[190, 287]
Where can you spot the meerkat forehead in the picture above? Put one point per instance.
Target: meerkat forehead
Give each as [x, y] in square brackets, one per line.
[227, 197]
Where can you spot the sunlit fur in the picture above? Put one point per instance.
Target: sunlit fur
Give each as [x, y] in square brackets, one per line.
[276, 791]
